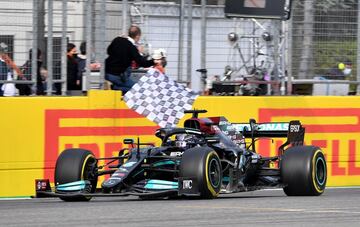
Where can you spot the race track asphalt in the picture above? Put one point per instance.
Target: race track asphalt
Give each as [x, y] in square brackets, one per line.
[336, 207]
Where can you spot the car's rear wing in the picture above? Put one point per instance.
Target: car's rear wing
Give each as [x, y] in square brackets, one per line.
[293, 131]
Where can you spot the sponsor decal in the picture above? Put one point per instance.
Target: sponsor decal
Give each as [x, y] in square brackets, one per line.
[177, 153]
[123, 170]
[281, 126]
[42, 185]
[294, 128]
[117, 174]
[273, 127]
[115, 178]
[187, 184]
[128, 164]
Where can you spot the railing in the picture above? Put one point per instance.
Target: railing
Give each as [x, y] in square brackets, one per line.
[235, 87]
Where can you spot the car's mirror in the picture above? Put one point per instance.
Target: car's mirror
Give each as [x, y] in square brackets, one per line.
[128, 141]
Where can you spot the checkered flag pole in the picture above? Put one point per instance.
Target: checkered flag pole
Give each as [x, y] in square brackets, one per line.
[160, 99]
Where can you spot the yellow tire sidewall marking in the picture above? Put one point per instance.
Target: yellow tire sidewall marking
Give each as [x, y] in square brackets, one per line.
[318, 189]
[209, 186]
[84, 164]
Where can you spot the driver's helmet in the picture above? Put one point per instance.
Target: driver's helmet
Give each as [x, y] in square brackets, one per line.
[180, 140]
[185, 140]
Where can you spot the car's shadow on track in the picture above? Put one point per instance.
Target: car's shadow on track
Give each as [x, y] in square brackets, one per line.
[250, 196]
[135, 199]
[239, 195]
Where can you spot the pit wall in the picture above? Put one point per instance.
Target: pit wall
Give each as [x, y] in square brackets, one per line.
[36, 129]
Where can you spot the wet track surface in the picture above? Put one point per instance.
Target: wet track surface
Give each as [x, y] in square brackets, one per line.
[336, 207]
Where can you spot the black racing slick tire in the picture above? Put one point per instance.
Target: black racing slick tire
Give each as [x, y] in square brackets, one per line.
[75, 165]
[203, 164]
[303, 171]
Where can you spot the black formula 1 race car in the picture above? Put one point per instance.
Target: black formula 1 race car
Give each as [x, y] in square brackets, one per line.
[207, 157]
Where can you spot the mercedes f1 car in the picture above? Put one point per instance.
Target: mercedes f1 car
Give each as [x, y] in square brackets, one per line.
[206, 157]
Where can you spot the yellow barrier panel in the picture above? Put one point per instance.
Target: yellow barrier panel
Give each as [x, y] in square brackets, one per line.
[36, 129]
[332, 123]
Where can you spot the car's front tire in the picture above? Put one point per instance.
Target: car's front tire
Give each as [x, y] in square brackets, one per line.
[75, 165]
[204, 164]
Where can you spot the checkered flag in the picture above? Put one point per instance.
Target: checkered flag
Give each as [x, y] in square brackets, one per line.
[160, 99]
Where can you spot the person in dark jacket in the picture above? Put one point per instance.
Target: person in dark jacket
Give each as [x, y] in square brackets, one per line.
[26, 69]
[81, 58]
[122, 51]
[73, 80]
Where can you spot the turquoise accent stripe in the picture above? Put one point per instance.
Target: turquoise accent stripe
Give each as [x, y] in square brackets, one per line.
[226, 179]
[161, 184]
[161, 163]
[72, 186]
[138, 173]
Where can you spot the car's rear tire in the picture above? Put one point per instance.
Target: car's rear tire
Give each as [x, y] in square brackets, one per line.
[204, 164]
[75, 165]
[303, 171]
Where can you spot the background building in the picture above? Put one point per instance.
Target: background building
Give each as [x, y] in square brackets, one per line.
[320, 35]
